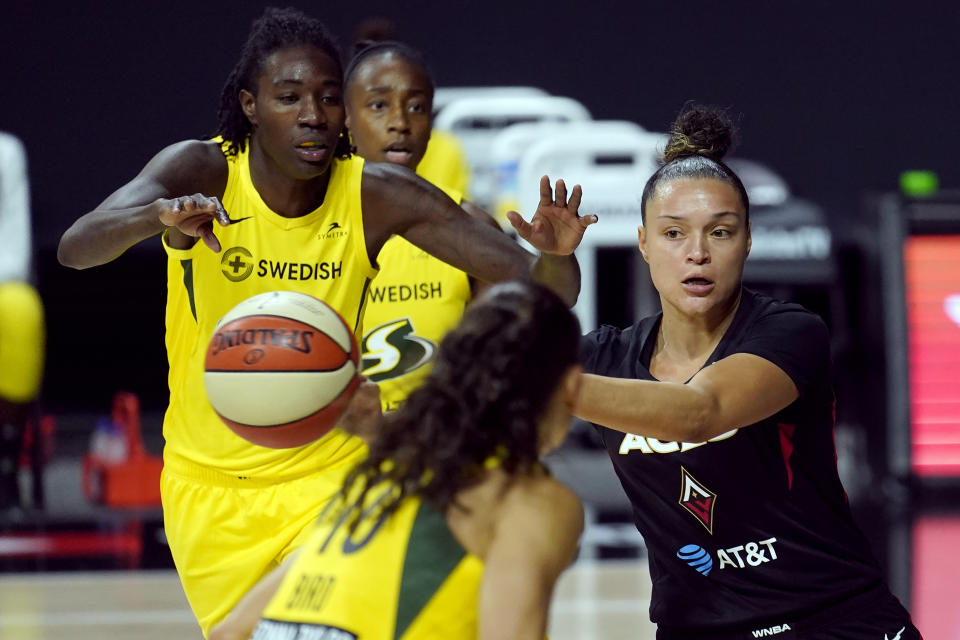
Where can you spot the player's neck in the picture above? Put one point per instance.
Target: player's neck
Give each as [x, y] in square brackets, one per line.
[684, 337]
[284, 195]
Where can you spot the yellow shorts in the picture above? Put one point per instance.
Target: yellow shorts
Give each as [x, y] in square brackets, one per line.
[21, 342]
[225, 534]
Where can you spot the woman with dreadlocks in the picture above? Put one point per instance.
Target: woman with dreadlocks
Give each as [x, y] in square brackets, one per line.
[451, 528]
[291, 219]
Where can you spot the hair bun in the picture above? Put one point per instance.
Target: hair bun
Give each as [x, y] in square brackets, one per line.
[371, 31]
[701, 130]
[362, 45]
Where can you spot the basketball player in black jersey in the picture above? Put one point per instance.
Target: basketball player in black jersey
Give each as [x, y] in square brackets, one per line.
[718, 415]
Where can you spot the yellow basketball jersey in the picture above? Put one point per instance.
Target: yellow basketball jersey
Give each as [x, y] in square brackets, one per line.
[322, 254]
[411, 304]
[444, 162]
[404, 577]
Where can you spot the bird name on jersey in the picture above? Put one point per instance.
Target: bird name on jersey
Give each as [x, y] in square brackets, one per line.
[268, 629]
[632, 442]
[311, 592]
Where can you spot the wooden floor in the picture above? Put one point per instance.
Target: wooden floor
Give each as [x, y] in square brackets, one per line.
[594, 599]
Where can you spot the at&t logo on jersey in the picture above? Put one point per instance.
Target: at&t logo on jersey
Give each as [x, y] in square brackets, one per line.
[742, 556]
[393, 349]
[751, 554]
[697, 557]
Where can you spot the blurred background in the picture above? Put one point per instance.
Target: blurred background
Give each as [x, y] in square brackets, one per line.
[848, 113]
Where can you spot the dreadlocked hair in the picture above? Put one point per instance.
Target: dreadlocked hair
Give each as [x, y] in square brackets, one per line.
[699, 139]
[492, 379]
[276, 30]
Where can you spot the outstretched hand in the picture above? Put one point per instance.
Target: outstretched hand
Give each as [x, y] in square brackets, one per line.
[194, 216]
[557, 226]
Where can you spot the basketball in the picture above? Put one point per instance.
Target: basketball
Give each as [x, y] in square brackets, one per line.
[281, 368]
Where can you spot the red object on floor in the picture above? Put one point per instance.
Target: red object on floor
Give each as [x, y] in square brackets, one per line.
[134, 481]
[70, 544]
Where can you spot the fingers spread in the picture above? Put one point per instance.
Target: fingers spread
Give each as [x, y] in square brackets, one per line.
[575, 197]
[561, 199]
[522, 226]
[546, 193]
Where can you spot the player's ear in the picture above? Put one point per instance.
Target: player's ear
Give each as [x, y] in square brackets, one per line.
[642, 242]
[571, 384]
[248, 102]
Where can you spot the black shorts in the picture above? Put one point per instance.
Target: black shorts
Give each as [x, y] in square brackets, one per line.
[874, 616]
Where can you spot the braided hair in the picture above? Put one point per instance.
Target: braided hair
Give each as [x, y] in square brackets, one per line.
[491, 382]
[276, 30]
[699, 139]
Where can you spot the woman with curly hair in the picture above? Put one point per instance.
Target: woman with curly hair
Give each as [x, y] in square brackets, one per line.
[451, 528]
[718, 415]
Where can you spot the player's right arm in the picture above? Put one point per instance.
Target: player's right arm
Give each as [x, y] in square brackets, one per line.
[535, 539]
[179, 188]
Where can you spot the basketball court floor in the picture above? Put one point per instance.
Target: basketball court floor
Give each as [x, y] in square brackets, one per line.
[594, 599]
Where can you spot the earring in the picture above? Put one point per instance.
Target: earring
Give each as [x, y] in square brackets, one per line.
[345, 133]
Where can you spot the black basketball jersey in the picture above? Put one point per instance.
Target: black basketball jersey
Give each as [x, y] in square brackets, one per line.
[754, 524]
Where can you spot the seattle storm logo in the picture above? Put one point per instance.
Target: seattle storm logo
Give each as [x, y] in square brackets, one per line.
[393, 349]
[236, 264]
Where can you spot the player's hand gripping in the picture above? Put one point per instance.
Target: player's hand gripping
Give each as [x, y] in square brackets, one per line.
[556, 227]
[194, 216]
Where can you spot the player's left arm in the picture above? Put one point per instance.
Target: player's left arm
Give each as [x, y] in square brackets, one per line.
[534, 541]
[399, 202]
[733, 392]
[242, 620]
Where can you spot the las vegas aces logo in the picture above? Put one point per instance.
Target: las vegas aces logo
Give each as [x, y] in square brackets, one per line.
[393, 349]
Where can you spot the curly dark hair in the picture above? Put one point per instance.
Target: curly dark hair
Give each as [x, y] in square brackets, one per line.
[276, 30]
[699, 139]
[490, 384]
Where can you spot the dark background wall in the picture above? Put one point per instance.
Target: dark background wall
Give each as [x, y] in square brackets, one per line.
[837, 97]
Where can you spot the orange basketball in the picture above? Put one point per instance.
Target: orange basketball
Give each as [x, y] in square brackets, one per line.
[280, 369]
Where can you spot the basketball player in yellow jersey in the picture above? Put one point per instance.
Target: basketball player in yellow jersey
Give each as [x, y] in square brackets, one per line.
[450, 528]
[445, 162]
[416, 298]
[303, 215]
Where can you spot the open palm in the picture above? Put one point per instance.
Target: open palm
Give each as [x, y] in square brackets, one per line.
[556, 226]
